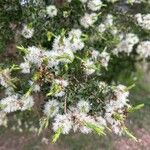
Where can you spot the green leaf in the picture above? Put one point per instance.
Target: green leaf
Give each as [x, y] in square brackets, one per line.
[117, 116]
[54, 89]
[29, 91]
[22, 49]
[97, 129]
[57, 135]
[127, 132]
[130, 87]
[133, 109]
[49, 36]
[44, 122]
[14, 67]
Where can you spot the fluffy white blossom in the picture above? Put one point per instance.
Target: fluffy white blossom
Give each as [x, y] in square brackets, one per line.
[51, 58]
[51, 108]
[34, 55]
[9, 91]
[63, 52]
[143, 49]
[104, 58]
[109, 20]
[127, 43]
[35, 86]
[75, 33]
[101, 121]
[89, 67]
[121, 92]
[75, 40]
[95, 54]
[102, 28]
[88, 20]
[64, 122]
[63, 83]
[27, 102]
[51, 10]
[80, 124]
[60, 94]
[143, 20]
[116, 106]
[10, 103]
[95, 5]
[103, 87]
[27, 32]
[83, 106]
[25, 66]
[106, 24]
[5, 77]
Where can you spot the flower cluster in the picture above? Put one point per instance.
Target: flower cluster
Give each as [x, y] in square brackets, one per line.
[126, 44]
[143, 20]
[67, 77]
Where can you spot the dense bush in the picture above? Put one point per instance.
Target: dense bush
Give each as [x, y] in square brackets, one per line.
[72, 60]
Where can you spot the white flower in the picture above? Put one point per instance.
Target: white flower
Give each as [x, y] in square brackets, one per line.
[121, 92]
[9, 91]
[76, 44]
[83, 106]
[5, 77]
[35, 87]
[51, 10]
[88, 20]
[89, 67]
[34, 55]
[101, 121]
[95, 5]
[105, 57]
[75, 33]
[102, 28]
[27, 102]
[117, 129]
[109, 20]
[103, 87]
[95, 54]
[61, 46]
[127, 43]
[51, 108]
[25, 66]
[80, 124]
[75, 40]
[143, 20]
[10, 103]
[27, 32]
[51, 57]
[63, 83]
[64, 122]
[60, 94]
[143, 49]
